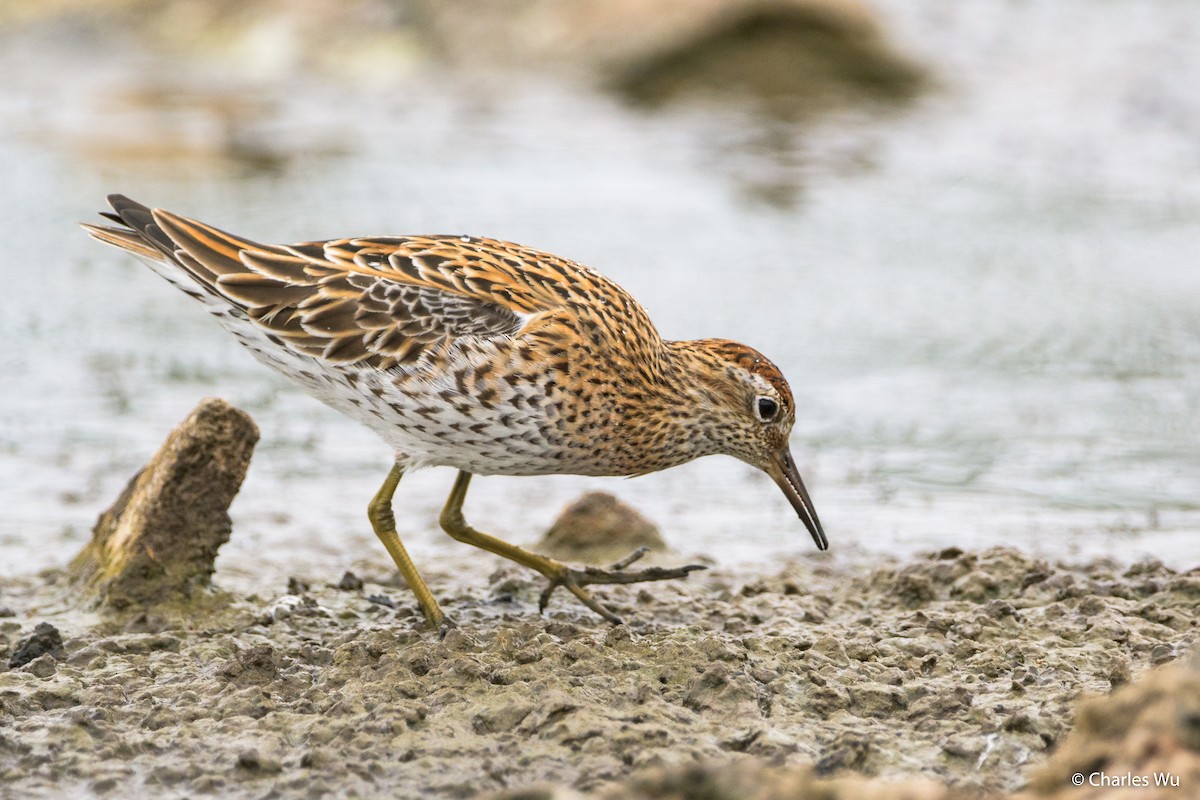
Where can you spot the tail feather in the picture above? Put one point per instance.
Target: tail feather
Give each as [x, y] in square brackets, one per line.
[190, 254]
[124, 239]
[142, 235]
[219, 253]
[140, 219]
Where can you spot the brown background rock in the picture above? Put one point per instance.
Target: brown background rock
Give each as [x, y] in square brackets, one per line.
[598, 529]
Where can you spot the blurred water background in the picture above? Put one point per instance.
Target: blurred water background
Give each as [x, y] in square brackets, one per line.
[968, 232]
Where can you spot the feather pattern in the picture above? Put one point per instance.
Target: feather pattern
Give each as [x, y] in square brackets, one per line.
[468, 352]
[375, 302]
[482, 355]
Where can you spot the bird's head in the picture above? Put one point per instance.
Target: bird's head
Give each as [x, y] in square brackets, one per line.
[748, 414]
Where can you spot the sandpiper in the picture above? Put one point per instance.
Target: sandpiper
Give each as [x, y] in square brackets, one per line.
[482, 355]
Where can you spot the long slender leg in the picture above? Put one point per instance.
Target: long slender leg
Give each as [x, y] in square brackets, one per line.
[560, 574]
[384, 523]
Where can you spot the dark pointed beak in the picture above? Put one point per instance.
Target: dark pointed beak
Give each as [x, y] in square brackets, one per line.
[783, 469]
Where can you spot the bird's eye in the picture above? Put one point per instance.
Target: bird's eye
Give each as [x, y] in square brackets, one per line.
[767, 409]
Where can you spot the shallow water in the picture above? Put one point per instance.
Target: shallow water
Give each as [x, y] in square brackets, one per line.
[987, 302]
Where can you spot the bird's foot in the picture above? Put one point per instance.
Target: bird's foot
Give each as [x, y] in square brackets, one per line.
[575, 579]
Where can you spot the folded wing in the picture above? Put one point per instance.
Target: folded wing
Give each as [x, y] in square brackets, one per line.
[382, 302]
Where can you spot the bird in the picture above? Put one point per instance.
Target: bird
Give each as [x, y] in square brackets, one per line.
[486, 356]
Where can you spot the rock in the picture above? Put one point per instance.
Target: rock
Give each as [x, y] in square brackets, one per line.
[350, 582]
[849, 752]
[1149, 727]
[502, 716]
[1118, 672]
[913, 591]
[1161, 654]
[252, 666]
[45, 640]
[158, 541]
[877, 700]
[832, 648]
[598, 529]
[292, 605]
[540, 793]
[799, 56]
[723, 690]
[42, 667]
[755, 780]
[253, 761]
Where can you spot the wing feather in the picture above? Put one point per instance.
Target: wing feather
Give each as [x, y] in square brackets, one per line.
[379, 301]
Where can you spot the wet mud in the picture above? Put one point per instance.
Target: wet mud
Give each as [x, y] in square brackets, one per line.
[958, 671]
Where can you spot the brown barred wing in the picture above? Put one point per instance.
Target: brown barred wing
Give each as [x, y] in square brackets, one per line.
[382, 302]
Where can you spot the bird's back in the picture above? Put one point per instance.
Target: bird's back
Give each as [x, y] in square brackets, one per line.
[457, 350]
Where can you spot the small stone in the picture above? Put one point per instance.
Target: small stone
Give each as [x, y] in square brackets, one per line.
[1091, 606]
[832, 649]
[598, 529]
[504, 716]
[5, 611]
[350, 582]
[296, 585]
[1161, 654]
[968, 748]
[876, 700]
[846, 753]
[1118, 672]
[292, 605]
[250, 759]
[912, 590]
[43, 666]
[382, 600]
[773, 743]
[254, 665]
[1020, 721]
[976, 586]
[45, 640]
[105, 784]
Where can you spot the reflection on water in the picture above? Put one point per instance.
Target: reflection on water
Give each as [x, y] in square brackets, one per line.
[987, 303]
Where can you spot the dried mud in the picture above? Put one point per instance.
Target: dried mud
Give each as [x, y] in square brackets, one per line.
[960, 668]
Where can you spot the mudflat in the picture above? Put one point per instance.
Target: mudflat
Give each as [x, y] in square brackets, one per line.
[958, 669]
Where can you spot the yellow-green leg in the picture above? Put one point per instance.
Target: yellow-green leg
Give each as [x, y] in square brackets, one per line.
[384, 523]
[559, 574]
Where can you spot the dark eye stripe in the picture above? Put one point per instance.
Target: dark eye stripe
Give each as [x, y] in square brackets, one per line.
[767, 409]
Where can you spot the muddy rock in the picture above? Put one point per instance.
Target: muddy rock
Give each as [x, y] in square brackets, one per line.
[747, 780]
[1148, 731]
[797, 56]
[350, 582]
[599, 529]
[44, 641]
[158, 541]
